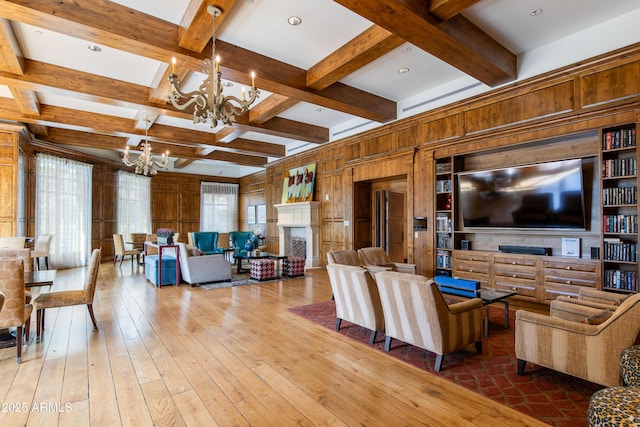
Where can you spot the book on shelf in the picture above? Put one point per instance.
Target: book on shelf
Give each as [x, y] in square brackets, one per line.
[620, 138]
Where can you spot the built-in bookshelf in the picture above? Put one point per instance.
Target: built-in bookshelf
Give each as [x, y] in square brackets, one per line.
[444, 213]
[619, 181]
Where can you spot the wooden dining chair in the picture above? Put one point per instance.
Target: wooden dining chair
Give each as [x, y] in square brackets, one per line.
[15, 311]
[70, 297]
[121, 251]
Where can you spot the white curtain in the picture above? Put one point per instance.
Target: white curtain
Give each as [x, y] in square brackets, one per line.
[134, 204]
[63, 209]
[218, 207]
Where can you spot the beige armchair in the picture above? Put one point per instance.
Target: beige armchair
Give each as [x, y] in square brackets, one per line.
[356, 297]
[12, 242]
[71, 297]
[378, 257]
[344, 257]
[594, 298]
[588, 351]
[15, 312]
[415, 312]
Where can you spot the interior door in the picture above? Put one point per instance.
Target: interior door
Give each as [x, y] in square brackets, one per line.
[395, 227]
[363, 225]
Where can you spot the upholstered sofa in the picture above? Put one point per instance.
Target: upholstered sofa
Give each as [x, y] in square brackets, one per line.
[583, 349]
[196, 269]
[207, 242]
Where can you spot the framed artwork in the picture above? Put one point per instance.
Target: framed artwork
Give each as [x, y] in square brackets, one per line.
[262, 214]
[251, 214]
[298, 184]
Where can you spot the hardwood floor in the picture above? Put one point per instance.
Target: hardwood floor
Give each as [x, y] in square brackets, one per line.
[232, 356]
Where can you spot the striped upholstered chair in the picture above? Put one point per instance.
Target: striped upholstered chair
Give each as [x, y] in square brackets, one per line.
[356, 297]
[375, 256]
[415, 312]
[589, 349]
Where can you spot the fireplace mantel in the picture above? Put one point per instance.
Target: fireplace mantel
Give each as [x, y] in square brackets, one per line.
[301, 215]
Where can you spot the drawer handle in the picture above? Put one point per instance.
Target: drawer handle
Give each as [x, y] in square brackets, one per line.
[514, 275]
[471, 270]
[514, 289]
[569, 267]
[569, 282]
[514, 262]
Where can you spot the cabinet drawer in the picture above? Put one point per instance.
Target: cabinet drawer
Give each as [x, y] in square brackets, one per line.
[553, 291]
[459, 256]
[514, 260]
[469, 267]
[483, 278]
[588, 267]
[511, 272]
[572, 279]
[523, 288]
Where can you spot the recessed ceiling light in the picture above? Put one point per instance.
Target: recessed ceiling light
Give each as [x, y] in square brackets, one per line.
[294, 20]
[407, 49]
[94, 48]
[319, 109]
[536, 12]
[227, 84]
[403, 70]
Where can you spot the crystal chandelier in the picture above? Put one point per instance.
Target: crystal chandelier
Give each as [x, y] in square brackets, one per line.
[145, 163]
[210, 103]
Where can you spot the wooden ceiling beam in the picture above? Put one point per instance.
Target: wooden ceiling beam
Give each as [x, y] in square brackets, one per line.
[11, 59]
[39, 76]
[447, 9]
[196, 27]
[26, 100]
[134, 32]
[363, 49]
[456, 41]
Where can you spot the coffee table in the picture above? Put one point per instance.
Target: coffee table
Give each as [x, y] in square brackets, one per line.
[260, 255]
[490, 296]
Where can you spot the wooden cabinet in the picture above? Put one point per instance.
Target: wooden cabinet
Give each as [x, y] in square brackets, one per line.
[564, 277]
[534, 277]
[517, 273]
[619, 183]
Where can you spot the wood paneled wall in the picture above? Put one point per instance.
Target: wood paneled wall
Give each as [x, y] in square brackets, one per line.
[534, 116]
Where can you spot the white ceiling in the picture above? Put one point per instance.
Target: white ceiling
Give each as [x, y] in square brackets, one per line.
[565, 32]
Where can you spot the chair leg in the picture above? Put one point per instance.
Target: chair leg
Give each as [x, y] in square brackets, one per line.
[39, 322]
[19, 344]
[46, 262]
[479, 347]
[93, 317]
[438, 364]
[338, 322]
[372, 337]
[387, 343]
[27, 330]
[521, 364]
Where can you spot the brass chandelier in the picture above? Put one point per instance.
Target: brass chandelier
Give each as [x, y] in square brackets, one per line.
[145, 163]
[210, 103]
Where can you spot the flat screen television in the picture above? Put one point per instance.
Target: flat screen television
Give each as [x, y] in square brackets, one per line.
[540, 196]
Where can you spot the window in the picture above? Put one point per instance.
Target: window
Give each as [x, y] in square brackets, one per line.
[63, 208]
[218, 207]
[134, 204]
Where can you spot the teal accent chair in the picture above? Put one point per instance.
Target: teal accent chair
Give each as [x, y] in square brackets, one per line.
[237, 240]
[207, 242]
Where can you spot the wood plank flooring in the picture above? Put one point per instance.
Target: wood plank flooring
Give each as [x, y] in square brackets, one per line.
[183, 356]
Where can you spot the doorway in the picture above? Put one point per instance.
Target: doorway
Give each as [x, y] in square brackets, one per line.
[380, 216]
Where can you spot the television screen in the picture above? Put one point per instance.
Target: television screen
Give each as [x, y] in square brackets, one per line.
[540, 196]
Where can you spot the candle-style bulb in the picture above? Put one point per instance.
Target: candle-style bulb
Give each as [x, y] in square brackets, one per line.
[173, 65]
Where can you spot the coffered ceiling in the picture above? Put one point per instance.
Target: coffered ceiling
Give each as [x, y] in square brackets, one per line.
[89, 75]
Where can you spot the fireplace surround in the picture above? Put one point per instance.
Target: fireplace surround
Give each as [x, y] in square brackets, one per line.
[300, 219]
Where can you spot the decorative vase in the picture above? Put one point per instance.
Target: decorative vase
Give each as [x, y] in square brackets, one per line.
[248, 246]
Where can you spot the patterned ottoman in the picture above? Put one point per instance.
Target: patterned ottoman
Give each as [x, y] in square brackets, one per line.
[630, 366]
[262, 269]
[615, 407]
[293, 266]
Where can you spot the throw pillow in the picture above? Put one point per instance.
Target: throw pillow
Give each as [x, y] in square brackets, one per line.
[598, 319]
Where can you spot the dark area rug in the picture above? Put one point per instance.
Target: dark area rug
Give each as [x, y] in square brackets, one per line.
[550, 396]
[7, 340]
